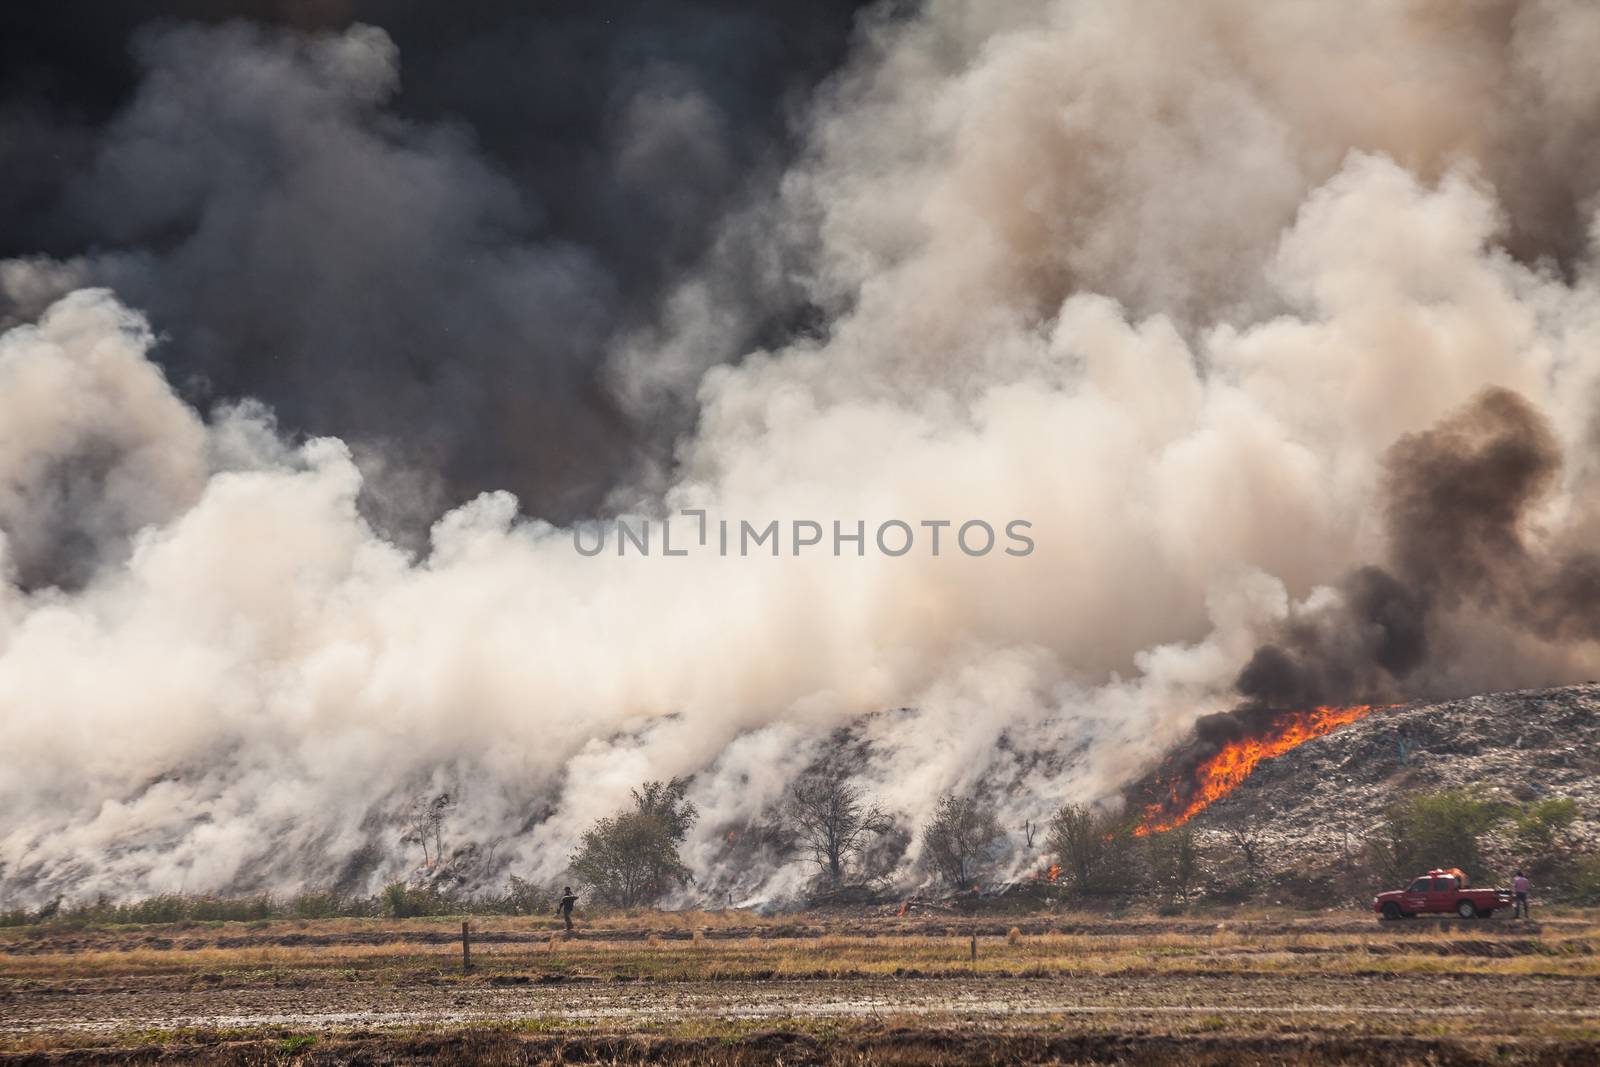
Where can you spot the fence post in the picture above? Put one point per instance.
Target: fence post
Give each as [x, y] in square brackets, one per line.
[974, 946]
[466, 946]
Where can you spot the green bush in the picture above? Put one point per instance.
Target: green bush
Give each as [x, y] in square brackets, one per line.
[1539, 826]
[165, 908]
[225, 909]
[1582, 877]
[328, 904]
[400, 901]
[631, 858]
[522, 897]
[1424, 831]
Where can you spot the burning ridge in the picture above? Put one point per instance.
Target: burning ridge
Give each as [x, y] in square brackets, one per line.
[1465, 571]
[1186, 793]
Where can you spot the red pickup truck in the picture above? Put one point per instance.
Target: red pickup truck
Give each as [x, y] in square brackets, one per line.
[1440, 892]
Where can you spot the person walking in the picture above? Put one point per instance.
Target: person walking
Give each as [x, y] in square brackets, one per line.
[1520, 888]
[564, 908]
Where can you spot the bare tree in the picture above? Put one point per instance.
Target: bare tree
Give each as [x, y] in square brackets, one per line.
[833, 821]
[1077, 839]
[960, 838]
[424, 823]
[1246, 838]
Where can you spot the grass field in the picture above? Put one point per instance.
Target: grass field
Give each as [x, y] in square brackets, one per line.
[726, 988]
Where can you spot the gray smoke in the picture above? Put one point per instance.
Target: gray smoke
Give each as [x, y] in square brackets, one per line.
[432, 267]
[1273, 342]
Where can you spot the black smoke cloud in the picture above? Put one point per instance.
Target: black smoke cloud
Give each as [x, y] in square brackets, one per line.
[420, 227]
[1460, 504]
[1461, 499]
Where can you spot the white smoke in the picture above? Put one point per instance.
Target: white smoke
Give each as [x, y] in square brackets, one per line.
[1165, 280]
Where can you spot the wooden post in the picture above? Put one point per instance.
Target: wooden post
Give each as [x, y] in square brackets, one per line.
[466, 946]
[974, 946]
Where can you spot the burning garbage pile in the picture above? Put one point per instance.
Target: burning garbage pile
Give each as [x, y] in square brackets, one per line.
[1194, 781]
[1316, 800]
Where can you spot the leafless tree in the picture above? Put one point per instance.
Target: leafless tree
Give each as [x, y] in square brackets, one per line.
[424, 823]
[960, 838]
[1246, 838]
[1094, 847]
[1077, 838]
[832, 820]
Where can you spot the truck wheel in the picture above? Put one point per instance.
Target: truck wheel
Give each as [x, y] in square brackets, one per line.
[1467, 910]
[1391, 910]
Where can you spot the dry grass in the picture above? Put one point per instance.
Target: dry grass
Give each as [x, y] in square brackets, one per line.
[1234, 948]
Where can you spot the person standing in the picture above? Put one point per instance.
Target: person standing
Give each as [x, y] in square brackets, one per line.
[1520, 888]
[564, 908]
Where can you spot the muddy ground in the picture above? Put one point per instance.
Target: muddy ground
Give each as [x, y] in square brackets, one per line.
[1310, 990]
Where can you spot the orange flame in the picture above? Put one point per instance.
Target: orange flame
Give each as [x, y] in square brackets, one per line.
[1227, 770]
[1055, 871]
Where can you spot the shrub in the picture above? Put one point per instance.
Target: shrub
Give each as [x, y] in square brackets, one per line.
[1095, 848]
[631, 858]
[1430, 830]
[524, 898]
[326, 905]
[400, 901]
[1539, 826]
[1582, 877]
[225, 909]
[1174, 860]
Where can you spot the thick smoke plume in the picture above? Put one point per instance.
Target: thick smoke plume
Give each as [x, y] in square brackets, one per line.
[1461, 502]
[433, 267]
[1283, 332]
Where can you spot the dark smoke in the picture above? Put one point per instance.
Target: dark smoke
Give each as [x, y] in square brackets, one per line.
[424, 240]
[1459, 496]
[1459, 502]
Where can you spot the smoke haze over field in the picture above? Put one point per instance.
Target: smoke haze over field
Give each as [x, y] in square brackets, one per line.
[1282, 328]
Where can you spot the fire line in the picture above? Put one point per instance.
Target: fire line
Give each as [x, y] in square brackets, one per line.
[1227, 770]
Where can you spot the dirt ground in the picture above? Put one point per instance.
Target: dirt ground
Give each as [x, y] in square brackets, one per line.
[1312, 989]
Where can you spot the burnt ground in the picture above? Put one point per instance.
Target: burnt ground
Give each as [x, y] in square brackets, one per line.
[1068, 989]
